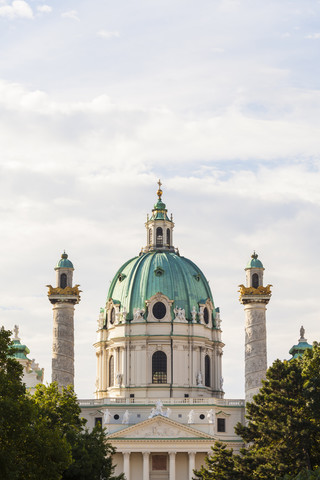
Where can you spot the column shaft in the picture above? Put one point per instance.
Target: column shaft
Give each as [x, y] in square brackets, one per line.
[192, 457]
[145, 465]
[172, 465]
[126, 465]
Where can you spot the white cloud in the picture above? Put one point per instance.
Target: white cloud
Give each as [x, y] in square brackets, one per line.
[18, 9]
[313, 36]
[44, 8]
[107, 34]
[72, 14]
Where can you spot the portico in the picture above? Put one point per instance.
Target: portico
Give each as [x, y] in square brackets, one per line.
[160, 449]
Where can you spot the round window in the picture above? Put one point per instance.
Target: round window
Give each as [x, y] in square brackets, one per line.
[201, 416]
[113, 316]
[206, 316]
[159, 310]
[116, 416]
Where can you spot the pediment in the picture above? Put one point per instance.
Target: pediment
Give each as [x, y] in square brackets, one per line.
[160, 427]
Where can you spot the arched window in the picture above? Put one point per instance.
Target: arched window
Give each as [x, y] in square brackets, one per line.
[207, 371]
[168, 237]
[63, 280]
[159, 367]
[111, 371]
[159, 233]
[255, 280]
[150, 236]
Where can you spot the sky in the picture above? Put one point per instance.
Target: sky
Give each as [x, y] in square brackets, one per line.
[219, 98]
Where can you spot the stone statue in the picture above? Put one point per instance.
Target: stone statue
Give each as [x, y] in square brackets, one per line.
[125, 419]
[199, 378]
[168, 412]
[106, 417]
[194, 314]
[210, 416]
[119, 379]
[218, 320]
[191, 416]
[221, 383]
[157, 410]
[201, 314]
[138, 313]
[124, 314]
[302, 332]
[16, 332]
[180, 313]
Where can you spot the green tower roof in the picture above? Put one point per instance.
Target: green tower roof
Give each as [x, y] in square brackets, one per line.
[159, 271]
[298, 350]
[254, 262]
[64, 262]
[19, 351]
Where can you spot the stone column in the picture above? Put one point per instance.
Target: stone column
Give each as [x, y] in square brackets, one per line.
[145, 456]
[63, 342]
[192, 463]
[172, 465]
[126, 465]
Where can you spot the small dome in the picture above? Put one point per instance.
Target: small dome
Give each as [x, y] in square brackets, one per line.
[64, 262]
[160, 205]
[176, 277]
[19, 351]
[254, 262]
[298, 350]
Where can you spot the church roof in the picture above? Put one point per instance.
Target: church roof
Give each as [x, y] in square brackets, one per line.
[159, 271]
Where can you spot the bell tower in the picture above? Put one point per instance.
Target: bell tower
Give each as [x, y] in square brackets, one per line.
[255, 297]
[63, 298]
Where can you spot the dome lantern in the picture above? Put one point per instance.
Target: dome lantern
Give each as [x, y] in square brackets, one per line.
[159, 227]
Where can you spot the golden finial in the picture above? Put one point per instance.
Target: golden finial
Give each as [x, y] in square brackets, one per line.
[159, 192]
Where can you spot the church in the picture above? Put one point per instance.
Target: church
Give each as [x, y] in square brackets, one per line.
[159, 348]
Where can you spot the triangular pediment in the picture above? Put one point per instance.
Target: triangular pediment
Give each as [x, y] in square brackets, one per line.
[160, 427]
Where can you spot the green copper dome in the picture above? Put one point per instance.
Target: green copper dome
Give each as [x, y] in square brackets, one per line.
[298, 350]
[254, 262]
[64, 262]
[159, 271]
[19, 351]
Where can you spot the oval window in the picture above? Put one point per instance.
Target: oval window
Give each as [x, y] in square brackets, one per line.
[159, 310]
[113, 316]
[206, 316]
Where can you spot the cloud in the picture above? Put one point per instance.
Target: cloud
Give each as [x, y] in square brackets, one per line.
[313, 36]
[44, 8]
[72, 14]
[107, 34]
[18, 9]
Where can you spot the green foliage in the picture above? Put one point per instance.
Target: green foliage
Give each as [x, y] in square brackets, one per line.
[220, 465]
[91, 454]
[43, 436]
[304, 475]
[282, 434]
[29, 448]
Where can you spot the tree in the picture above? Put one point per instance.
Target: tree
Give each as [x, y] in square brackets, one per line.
[91, 454]
[43, 436]
[282, 434]
[28, 448]
[304, 475]
[220, 465]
